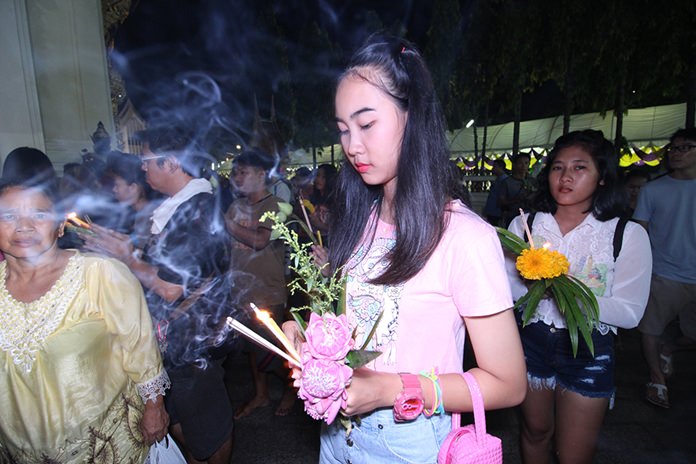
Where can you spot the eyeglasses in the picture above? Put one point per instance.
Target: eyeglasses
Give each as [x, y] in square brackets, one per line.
[681, 148]
[148, 158]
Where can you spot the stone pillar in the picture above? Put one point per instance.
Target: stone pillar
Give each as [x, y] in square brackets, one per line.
[54, 73]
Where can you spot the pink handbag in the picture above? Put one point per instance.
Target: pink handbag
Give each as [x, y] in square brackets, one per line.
[471, 444]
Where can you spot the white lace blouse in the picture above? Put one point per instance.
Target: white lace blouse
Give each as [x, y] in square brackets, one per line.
[621, 286]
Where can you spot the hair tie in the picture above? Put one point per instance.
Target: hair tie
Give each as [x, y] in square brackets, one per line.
[403, 49]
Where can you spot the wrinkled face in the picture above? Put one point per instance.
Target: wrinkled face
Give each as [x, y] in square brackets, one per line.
[28, 223]
[682, 160]
[248, 179]
[371, 127]
[573, 178]
[124, 192]
[156, 175]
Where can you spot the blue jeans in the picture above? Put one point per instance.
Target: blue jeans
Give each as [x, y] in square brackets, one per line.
[550, 361]
[380, 440]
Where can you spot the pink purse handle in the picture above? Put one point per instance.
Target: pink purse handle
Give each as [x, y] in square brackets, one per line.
[479, 411]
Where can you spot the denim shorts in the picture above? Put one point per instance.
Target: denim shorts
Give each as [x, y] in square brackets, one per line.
[550, 361]
[380, 440]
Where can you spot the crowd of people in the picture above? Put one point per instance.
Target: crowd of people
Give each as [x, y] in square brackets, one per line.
[112, 327]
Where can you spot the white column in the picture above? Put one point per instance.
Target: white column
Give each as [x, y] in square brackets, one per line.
[61, 90]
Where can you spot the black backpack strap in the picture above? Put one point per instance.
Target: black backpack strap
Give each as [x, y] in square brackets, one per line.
[618, 235]
[530, 222]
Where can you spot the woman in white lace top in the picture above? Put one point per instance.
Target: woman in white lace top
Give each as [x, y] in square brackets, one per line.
[579, 202]
[81, 379]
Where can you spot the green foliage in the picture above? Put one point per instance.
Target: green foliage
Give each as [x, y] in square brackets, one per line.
[322, 292]
[325, 294]
[574, 299]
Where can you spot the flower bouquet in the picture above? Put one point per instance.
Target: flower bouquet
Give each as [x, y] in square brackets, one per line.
[547, 270]
[328, 356]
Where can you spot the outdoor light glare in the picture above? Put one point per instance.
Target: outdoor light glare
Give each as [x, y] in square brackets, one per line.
[470, 123]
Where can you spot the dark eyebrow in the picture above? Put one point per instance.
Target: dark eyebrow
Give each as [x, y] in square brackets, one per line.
[358, 113]
[572, 161]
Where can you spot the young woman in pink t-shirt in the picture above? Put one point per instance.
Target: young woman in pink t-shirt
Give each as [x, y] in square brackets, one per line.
[427, 263]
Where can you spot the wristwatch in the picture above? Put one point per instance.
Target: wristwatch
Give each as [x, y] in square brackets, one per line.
[409, 402]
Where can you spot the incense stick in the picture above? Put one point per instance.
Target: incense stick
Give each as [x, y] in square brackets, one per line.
[262, 342]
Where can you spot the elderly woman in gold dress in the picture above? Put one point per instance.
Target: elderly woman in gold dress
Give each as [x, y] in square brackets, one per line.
[81, 379]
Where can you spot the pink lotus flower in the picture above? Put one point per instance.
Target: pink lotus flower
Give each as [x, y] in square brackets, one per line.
[324, 377]
[329, 336]
[322, 386]
[326, 409]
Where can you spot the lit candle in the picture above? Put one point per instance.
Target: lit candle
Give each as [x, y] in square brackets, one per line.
[72, 217]
[526, 228]
[268, 321]
[262, 342]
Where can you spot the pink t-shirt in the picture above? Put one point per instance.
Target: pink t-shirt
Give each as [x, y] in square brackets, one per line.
[422, 326]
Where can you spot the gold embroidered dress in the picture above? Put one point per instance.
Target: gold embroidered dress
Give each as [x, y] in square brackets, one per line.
[76, 366]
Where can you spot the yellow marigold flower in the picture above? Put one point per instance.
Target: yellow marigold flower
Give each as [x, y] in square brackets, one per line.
[541, 263]
[308, 206]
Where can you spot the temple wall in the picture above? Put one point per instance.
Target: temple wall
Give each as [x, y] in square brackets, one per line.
[54, 73]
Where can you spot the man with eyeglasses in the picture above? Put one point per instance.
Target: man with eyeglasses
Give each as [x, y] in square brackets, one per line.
[667, 209]
[184, 272]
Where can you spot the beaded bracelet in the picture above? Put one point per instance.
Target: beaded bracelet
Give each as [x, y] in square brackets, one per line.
[438, 405]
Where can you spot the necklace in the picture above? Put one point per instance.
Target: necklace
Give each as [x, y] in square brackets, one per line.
[24, 327]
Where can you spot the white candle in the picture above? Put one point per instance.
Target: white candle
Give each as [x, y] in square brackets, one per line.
[268, 321]
[526, 228]
[262, 342]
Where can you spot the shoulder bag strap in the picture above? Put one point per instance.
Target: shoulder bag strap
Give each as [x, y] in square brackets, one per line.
[618, 235]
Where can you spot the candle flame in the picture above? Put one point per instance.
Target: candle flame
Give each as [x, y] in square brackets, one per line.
[261, 314]
[72, 217]
[546, 245]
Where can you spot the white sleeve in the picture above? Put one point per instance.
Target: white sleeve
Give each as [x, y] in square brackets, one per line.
[631, 287]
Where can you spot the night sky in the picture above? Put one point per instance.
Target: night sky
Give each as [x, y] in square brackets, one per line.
[227, 55]
[225, 40]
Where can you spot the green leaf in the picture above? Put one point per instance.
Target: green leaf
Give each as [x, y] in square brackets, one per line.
[372, 332]
[285, 208]
[564, 306]
[358, 358]
[510, 241]
[275, 234]
[531, 299]
[301, 322]
[567, 294]
[592, 307]
[341, 306]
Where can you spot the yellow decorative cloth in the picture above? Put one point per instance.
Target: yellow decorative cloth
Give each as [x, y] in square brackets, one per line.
[75, 367]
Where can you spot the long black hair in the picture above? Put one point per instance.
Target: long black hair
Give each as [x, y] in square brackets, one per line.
[394, 66]
[609, 199]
